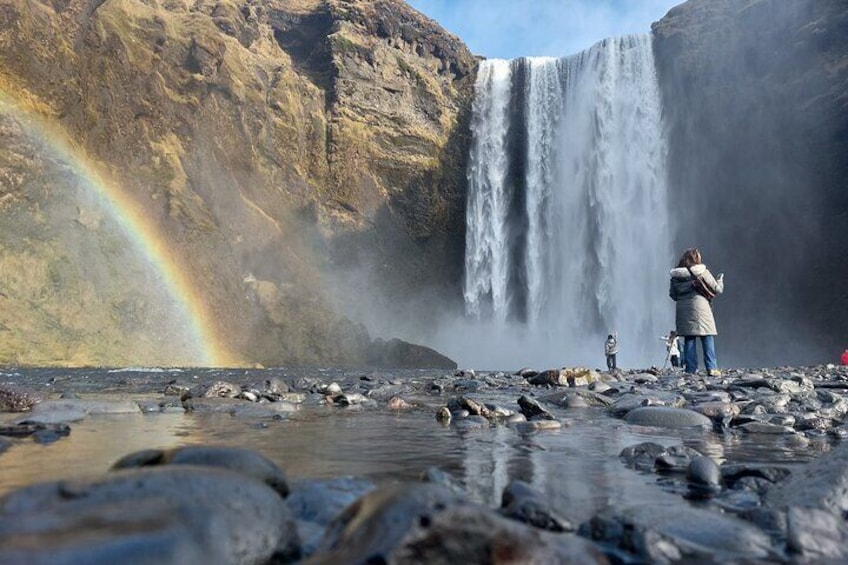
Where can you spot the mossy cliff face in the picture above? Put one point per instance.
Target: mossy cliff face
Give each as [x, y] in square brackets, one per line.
[271, 144]
[755, 101]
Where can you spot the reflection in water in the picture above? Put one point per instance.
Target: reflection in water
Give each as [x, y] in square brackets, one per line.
[576, 467]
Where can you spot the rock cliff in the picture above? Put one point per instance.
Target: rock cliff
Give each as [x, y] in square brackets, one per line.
[245, 181]
[756, 106]
[290, 155]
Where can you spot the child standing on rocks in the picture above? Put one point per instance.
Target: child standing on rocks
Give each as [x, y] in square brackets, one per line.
[672, 349]
[611, 350]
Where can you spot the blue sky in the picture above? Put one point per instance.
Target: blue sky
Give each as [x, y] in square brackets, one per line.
[522, 28]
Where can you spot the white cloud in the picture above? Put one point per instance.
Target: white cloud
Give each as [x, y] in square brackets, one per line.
[516, 28]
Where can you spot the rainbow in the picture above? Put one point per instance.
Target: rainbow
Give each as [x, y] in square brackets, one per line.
[144, 235]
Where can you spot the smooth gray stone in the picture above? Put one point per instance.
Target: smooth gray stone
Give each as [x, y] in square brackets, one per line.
[264, 410]
[72, 410]
[471, 406]
[629, 401]
[151, 531]
[738, 500]
[321, 500]
[703, 472]
[732, 472]
[782, 420]
[717, 409]
[817, 535]
[467, 385]
[643, 455]
[292, 397]
[702, 531]
[314, 503]
[821, 484]
[243, 461]
[644, 378]
[532, 409]
[752, 380]
[667, 417]
[218, 389]
[766, 428]
[439, 477]
[521, 502]
[57, 416]
[164, 514]
[471, 423]
[25, 429]
[165, 404]
[424, 523]
[203, 405]
[536, 425]
[271, 385]
[676, 458]
[149, 406]
[787, 386]
[498, 411]
[387, 391]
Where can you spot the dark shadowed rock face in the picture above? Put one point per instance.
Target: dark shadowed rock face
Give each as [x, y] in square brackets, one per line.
[399, 354]
[277, 147]
[754, 98]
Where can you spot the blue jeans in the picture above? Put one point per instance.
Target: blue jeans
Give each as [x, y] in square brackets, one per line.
[690, 352]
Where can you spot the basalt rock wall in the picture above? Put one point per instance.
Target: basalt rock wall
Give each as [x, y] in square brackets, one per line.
[755, 102]
[293, 154]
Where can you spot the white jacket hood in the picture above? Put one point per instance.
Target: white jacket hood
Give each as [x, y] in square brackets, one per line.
[683, 272]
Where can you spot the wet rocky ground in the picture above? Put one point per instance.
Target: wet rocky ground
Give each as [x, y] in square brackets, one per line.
[215, 504]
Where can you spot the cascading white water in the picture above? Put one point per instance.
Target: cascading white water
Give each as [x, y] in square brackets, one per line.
[568, 222]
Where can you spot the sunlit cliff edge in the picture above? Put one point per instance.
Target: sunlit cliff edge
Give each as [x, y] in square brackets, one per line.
[282, 150]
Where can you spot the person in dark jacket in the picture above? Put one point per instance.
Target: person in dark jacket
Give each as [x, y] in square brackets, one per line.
[693, 311]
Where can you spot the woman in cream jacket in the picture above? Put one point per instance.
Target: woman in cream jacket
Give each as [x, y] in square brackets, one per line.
[694, 312]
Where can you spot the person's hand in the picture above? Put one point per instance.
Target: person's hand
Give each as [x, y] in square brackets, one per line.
[721, 276]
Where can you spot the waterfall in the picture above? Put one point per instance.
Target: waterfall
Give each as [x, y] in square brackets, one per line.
[568, 232]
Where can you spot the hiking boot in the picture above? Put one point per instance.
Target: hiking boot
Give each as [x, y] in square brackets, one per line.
[714, 373]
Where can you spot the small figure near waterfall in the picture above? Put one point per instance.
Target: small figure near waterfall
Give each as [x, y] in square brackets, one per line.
[693, 287]
[672, 349]
[611, 350]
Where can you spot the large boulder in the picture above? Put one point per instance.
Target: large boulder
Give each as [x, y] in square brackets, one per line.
[671, 533]
[427, 523]
[244, 461]
[172, 514]
[821, 484]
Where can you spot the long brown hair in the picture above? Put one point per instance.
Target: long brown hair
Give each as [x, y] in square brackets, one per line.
[690, 258]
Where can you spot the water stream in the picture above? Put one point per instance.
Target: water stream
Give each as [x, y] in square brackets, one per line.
[577, 466]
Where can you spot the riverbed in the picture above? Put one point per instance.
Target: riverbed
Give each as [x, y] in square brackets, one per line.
[576, 466]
